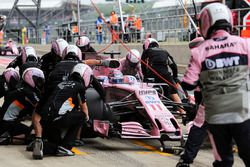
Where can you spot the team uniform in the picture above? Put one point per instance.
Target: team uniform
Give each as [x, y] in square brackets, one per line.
[221, 64]
[61, 113]
[126, 69]
[159, 60]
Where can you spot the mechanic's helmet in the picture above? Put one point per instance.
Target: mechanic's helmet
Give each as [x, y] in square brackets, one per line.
[115, 76]
[29, 54]
[58, 46]
[83, 43]
[72, 52]
[34, 77]
[133, 57]
[150, 43]
[83, 72]
[11, 77]
[213, 17]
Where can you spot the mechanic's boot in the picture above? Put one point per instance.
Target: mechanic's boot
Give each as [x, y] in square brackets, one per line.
[30, 146]
[38, 149]
[181, 163]
[5, 138]
[61, 151]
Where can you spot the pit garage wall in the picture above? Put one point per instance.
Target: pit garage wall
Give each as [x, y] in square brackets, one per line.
[180, 52]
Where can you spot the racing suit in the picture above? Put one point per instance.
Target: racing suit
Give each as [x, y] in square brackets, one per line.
[17, 62]
[48, 62]
[126, 69]
[159, 60]
[61, 73]
[61, 114]
[221, 64]
[18, 103]
[3, 87]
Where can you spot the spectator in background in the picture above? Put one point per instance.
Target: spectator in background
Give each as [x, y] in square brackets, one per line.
[99, 29]
[138, 25]
[113, 20]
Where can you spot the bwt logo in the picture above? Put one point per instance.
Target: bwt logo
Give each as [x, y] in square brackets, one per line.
[224, 62]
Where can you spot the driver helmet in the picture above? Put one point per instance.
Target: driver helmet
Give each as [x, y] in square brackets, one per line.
[58, 46]
[150, 43]
[213, 17]
[84, 72]
[83, 43]
[72, 52]
[34, 77]
[11, 77]
[29, 54]
[133, 57]
[115, 76]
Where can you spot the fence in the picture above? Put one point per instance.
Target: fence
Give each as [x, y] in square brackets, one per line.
[164, 27]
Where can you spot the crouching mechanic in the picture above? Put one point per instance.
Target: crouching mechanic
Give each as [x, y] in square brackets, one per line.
[8, 81]
[130, 65]
[60, 119]
[20, 103]
[28, 58]
[48, 61]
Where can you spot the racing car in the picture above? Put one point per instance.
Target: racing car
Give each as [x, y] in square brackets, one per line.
[132, 110]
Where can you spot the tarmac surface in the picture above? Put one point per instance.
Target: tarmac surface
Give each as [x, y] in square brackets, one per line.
[104, 152]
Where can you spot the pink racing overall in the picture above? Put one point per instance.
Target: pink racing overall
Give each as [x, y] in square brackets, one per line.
[221, 65]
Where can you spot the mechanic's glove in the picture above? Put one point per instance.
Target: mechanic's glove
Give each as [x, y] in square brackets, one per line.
[38, 148]
[184, 120]
[87, 118]
[105, 63]
[176, 79]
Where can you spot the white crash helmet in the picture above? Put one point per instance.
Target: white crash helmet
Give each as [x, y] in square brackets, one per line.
[115, 76]
[133, 56]
[150, 43]
[29, 54]
[58, 46]
[82, 41]
[85, 72]
[72, 51]
[215, 16]
[11, 77]
[34, 77]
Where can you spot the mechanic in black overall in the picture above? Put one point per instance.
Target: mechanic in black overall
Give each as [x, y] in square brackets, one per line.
[159, 60]
[60, 119]
[20, 103]
[28, 58]
[8, 81]
[48, 61]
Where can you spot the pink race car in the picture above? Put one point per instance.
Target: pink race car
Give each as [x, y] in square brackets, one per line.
[132, 110]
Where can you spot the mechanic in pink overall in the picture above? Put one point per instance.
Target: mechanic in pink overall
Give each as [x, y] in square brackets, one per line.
[221, 64]
[130, 65]
[198, 131]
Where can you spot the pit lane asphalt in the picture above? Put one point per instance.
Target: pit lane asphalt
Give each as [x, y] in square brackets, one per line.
[106, 153]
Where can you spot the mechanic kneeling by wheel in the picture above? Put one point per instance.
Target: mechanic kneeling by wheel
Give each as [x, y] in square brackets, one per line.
[20, 103]
[59, 120]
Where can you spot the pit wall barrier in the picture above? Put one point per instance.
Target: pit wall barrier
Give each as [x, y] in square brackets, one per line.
[180, 52]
